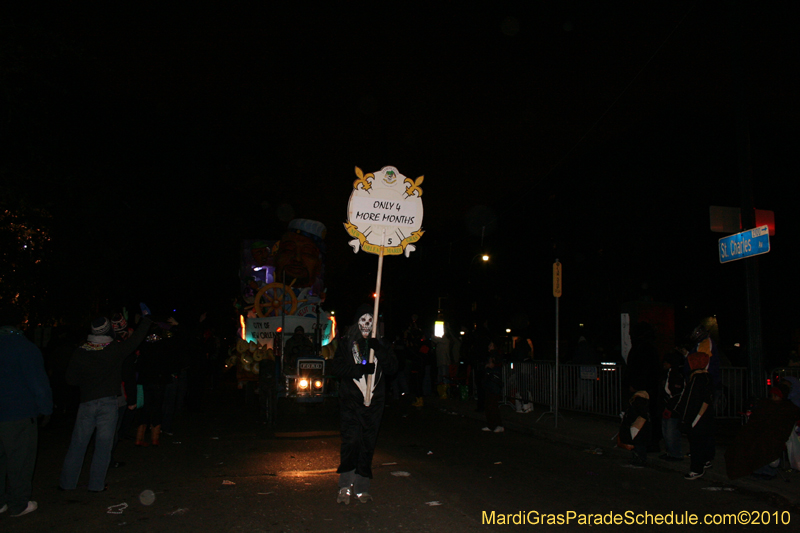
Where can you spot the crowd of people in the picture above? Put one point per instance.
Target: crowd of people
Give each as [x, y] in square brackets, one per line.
[127, 375]
[122, 372]
[680, 398]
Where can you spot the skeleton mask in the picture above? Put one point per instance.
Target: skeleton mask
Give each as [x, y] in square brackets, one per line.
[365, 324]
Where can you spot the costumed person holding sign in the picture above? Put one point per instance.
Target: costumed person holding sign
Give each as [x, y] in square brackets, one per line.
[359, 422]
[384, 217]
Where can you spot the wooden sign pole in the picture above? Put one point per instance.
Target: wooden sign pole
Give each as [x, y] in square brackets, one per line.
[371, 377]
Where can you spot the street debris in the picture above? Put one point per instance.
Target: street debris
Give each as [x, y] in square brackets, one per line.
[147, 497]
[264, 493]
[388, 464]
[430, 453]
[433, 504]
[632, 466]
[177, 512]
[117, 509]
[499, 462]
[400, 473]
[176, 442]
[226, 482]
[730, 489]
[214, 438]
[595, 451]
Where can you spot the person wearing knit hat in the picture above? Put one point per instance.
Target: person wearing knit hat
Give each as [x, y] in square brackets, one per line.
[96, 368]
[120, 326]
[360, 423]
[697, 414]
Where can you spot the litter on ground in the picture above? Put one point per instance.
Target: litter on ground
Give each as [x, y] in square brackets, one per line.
[433, 504]
[117, 509]
[400, 473]
[147, 497]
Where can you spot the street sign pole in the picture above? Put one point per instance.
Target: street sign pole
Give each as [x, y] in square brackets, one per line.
[555, 389]
[557, 294]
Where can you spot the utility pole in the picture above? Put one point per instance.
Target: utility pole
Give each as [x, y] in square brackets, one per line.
[754, 337]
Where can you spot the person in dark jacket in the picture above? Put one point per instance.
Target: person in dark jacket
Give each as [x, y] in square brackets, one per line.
[24, 395]
[360, 420]
[155, 366]
[697, 414]
[762, 440]
[493, 387]
[671, 392]
[96, 367]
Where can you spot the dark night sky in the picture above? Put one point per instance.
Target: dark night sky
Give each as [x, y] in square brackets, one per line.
[596, 132]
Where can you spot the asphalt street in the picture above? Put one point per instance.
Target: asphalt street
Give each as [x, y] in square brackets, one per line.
[435, 470]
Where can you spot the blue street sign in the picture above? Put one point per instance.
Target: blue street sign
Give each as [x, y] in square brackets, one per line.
[745, 244]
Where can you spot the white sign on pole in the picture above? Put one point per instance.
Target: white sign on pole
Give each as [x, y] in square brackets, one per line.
[384, 215]
[385, 202]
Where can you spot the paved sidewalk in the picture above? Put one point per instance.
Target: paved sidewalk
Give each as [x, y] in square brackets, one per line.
[597, 434]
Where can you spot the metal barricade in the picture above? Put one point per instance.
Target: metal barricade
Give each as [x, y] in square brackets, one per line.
[530, 381]
[731, 401]
[597, 389]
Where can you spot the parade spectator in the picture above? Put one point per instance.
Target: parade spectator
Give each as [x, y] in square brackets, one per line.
[126, 401]
[671, 392]
[156, 365]
[585, 355]
[413, 338]
[761, 441]
[24, 395]
[493, 385]
[635, 428]
[520, 357]
[480, 357]
[359, 422]
[444, 358]
[96, 367]
[697, 415]
[701, 340]
[644, 369]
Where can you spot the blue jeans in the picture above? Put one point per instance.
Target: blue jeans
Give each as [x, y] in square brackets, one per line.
[100, 414]
[671, 430]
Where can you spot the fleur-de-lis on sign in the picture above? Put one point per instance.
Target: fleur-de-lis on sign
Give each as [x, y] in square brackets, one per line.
[363, 180]
[414, 186]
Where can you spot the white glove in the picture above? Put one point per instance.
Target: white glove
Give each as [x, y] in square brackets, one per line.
[696, 420]
[634, 432]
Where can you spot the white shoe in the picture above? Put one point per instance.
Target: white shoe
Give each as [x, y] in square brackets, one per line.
[499, 429]
[485, 429]
[344, 496]
[4, 508]
[32, 506]
[364, 497]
